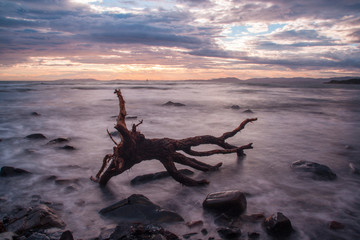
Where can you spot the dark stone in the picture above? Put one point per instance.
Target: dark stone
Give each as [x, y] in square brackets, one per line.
[35, 114]
[137, 207]
[125, 231]
[235, 107]
[38, 236]
[317, 171]
[174, 104]
[253, 217]
[131, 117]
[253, 235]
[354, 169]
[248, 111]
[2, 227]
[229, 232]
[155, 176]
[68, 148]
[58, 140]
[232, 203]
[188, 235]
[67, 235]
[36, 136]
[334, 225]
[278, 225]
[204, 231]
[31, 219]
[7, 171]
[194, 223]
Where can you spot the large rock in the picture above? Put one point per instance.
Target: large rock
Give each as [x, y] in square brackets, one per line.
[232, 203]
[137, 207]
[156, 176]
[40, 217]
[317, 171]
[174, 104]
[229, 232]
[278, 225]
[7, 171]
[36, 136]
[126, 231]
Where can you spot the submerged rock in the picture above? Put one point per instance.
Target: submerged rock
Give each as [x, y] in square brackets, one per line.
[59, 140]
[278, 225]
[334, 225]
[137, 207]
[30, 219]
[68, 148]
[232, 203]
[125, 231]
[174, 104]
[248, 111]
[235, 107]
[67, 235]
[36, 136]
[317, 171]
[229, 232]
[35, 114]
[7, 171]
[155, 176]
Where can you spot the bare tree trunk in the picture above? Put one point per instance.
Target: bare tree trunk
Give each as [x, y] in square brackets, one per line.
[134, 148]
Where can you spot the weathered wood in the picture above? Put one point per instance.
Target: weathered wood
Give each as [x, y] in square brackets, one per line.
[134, 148]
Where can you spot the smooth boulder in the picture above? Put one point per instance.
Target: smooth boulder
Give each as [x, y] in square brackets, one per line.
[7, 171]
[232, 203]
[137, 207]
[317, 171]
[278, 225]
[30, 219]
[36, 136]
[125, 231]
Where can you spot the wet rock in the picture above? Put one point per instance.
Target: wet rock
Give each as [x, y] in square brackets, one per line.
[68, 148]
[131, 117]
[36, 136]
[194, 224]
[59, 140]
[229, 232]
[40, 217]
[2, 227]
[232, 203]
[334, 225]
[189, 235]
[235, 107]
[253, 217]
[248, 111]
[35, 114]
[7, 171]
[253, 235]
[317, 171]
[174, 104]
[67, 235]
[156, 176]
[137, 207]
[8, 236]
[353, 169]
[126, 231]
[204, 231]
[38, 236]
[278, 225]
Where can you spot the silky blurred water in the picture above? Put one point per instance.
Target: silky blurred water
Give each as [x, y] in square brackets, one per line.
[315, 122]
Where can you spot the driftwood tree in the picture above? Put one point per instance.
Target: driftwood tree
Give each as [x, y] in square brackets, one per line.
[134, 148]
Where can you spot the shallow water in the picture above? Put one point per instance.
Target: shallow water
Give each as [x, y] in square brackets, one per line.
[314, 122]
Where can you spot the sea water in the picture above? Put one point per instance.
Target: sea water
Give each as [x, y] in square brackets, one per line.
[314, 122]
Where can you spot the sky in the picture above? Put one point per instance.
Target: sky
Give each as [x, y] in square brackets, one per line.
[178, 39]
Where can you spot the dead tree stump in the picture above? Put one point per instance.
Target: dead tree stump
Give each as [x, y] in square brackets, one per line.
[134, 148]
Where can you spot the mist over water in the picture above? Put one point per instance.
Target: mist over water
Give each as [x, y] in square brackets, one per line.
[313, 122]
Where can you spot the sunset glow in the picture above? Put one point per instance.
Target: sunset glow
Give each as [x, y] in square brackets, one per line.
[178, 39]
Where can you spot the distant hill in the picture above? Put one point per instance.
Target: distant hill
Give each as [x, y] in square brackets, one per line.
[77, 80]
[348, 81]
[227, 80]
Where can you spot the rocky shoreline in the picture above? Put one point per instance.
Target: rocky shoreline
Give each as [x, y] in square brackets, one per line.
[137, 217]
